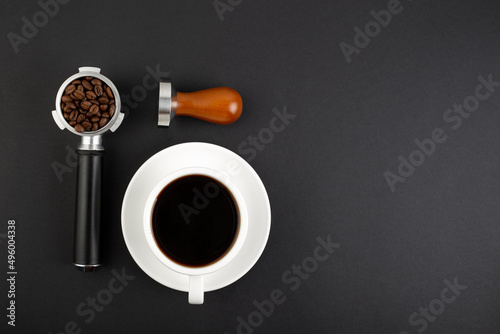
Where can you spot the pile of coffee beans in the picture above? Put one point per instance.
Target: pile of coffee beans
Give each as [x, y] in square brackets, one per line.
[88, 104]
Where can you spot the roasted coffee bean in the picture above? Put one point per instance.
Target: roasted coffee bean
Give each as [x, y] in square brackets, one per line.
[73, 115]
[79, 128]
[88, 104]
[87, 85]
[85, 105]
[109, 92]
[90, 95]
[79, 94]
[87, 125]
[98, 90]
[80, 118]
[103, 100]
[94, 108]
[66, 98]
[70, 89]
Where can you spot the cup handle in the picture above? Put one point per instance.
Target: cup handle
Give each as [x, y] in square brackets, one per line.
[195, 290]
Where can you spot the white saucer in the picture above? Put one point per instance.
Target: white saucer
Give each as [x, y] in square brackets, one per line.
[196, 155]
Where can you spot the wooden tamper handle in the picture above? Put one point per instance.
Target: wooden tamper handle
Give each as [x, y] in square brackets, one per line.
[222, 105]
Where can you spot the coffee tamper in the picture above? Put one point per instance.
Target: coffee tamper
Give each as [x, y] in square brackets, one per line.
[221, 105]
[86, 251]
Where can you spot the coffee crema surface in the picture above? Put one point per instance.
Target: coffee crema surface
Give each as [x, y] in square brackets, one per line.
[195, 220]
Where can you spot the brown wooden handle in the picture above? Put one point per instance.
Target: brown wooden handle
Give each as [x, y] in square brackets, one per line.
[220, 105]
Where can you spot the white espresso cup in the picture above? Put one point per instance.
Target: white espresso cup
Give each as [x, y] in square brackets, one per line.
[196, 274]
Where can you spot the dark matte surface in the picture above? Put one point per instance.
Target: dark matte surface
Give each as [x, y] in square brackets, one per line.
[324, 171]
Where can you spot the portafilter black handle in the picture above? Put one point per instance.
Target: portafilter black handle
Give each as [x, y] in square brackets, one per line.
[87, 237]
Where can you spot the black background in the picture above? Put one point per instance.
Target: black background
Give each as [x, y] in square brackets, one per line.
[323, 173]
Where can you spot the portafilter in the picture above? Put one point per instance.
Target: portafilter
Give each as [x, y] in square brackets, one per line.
[86, 247]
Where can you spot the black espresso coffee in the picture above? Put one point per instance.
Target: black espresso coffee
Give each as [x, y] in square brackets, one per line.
[195, 220]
